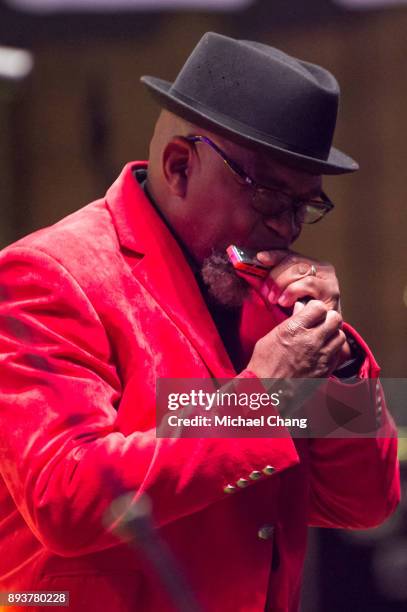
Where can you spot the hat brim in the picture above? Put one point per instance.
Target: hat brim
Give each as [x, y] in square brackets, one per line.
[336, 163]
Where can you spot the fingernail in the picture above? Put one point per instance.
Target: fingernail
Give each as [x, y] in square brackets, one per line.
[270, 291]
[298, 306]
[264, 292]
[283, 301]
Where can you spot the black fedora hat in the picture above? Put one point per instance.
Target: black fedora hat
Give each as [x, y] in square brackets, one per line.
[261, 97]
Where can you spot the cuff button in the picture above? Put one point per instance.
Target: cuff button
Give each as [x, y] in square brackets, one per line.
[265, 532]
[242, 483]
[268, 470]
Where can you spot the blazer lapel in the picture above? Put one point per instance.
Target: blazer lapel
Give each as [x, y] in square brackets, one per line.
[163, 270]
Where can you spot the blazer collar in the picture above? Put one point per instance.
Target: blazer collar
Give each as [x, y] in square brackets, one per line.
[163, 269]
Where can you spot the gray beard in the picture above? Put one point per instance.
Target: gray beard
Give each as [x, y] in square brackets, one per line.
[224, 286]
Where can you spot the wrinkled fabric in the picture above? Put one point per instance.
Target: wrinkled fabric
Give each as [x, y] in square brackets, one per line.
[93, 310]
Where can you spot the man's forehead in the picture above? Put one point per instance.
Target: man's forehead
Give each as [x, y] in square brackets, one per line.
[265, 168]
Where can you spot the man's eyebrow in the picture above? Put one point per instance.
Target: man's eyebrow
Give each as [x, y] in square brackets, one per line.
[284, 186]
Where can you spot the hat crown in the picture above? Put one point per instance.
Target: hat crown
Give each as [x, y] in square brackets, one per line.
[256, 85]
[260, 97]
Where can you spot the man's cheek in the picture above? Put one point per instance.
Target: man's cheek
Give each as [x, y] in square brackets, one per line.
[296, 234]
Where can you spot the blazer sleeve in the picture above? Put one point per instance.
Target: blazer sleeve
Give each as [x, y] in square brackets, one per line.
[62, 457]
[355, 481]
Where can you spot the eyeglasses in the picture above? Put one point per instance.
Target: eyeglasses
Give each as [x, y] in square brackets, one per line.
[270, 201]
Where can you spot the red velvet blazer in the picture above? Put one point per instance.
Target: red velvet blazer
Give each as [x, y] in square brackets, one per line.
[93, 310]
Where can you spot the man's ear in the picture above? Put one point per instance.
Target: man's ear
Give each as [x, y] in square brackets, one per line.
[176, 160]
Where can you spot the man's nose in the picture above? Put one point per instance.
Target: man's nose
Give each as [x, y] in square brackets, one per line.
[284, 224]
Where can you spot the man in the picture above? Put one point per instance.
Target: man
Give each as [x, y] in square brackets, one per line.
[134, 288]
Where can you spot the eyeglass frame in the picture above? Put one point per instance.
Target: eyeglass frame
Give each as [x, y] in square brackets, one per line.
[325, 204]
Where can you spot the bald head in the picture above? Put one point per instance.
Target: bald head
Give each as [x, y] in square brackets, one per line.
[167, 126]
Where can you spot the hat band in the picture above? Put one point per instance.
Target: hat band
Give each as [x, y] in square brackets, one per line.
[243, 129]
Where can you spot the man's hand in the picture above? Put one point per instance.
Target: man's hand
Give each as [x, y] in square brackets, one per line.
[290, 280]
[306, 345]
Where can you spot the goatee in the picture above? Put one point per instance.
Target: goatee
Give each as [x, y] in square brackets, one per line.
[224, 285]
